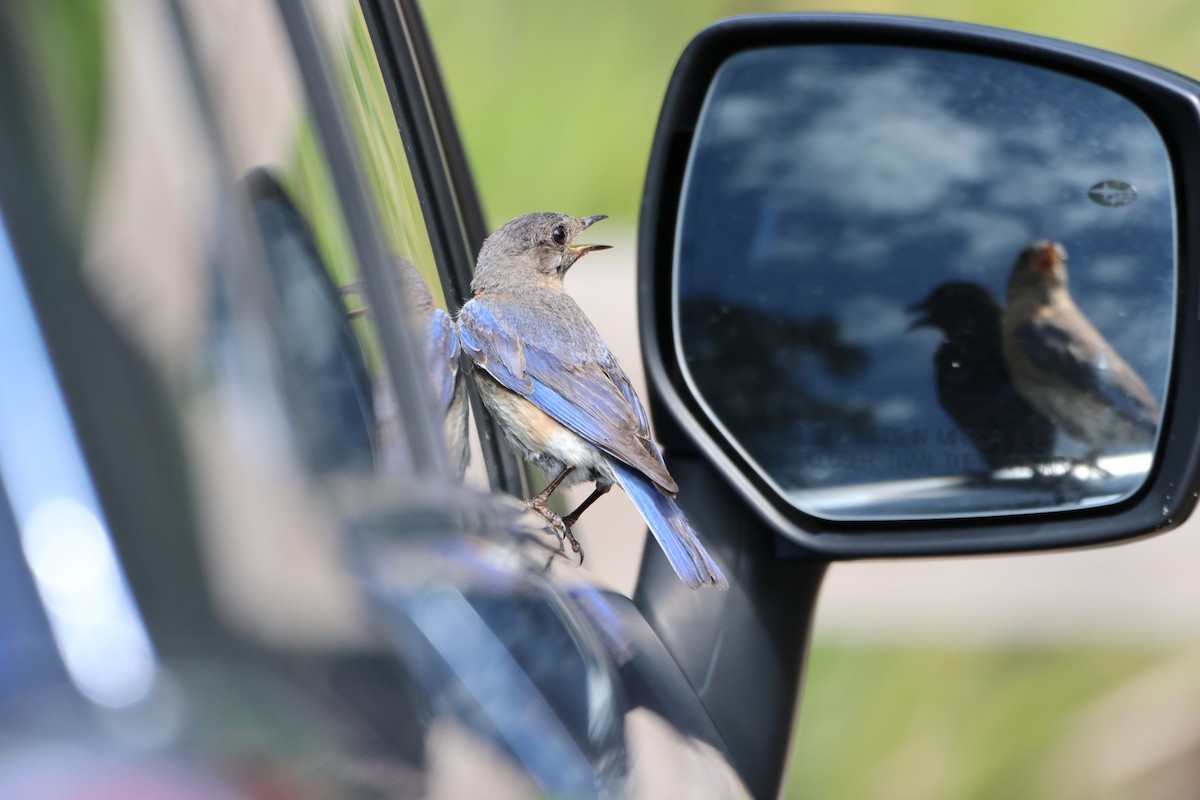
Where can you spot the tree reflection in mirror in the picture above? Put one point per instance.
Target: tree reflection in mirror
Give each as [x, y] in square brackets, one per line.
[873, 297]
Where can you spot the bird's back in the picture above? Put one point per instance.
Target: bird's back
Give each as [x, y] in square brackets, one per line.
[547, 319]
[548, 339]
[1067, 368]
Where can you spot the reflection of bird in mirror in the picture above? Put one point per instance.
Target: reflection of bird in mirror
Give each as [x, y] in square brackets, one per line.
[973, 384]
[558, 393]
[1064, 367]
[439, 339]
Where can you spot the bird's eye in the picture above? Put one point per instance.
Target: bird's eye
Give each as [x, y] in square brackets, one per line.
[559, 235]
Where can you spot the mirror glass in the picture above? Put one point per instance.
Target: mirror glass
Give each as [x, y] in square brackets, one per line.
[915, 283]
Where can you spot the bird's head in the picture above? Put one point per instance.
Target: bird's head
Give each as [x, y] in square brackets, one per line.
[533, 247]
[1041, 270]
[416, 291]
[957, 308]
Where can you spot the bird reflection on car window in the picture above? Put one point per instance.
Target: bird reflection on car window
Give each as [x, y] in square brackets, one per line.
[438, 337]
[855, 186]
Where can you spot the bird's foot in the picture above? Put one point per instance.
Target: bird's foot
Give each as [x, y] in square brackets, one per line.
[555, 521]
[561, 529]
[575, 546]
[1070, 477]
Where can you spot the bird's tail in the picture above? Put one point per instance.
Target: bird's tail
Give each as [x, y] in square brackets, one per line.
[675, 536]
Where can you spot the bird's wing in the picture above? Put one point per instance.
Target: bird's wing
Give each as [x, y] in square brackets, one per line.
[1065, 344]
[487, 344]
[590, 396]
[443, 356]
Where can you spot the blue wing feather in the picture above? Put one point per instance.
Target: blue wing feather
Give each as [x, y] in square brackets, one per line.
[591, 397]
[675, 536]
[584, 389]
[1089, 364]
[443, 356]
[485, 342]
[567, 413]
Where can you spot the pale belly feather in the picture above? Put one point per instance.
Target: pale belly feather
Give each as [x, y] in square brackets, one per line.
[539, 437]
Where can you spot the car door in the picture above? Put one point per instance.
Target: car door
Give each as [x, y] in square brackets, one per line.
[214, 209]
[186, 375]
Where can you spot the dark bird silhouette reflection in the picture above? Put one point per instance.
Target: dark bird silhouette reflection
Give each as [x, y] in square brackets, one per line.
[973, 383]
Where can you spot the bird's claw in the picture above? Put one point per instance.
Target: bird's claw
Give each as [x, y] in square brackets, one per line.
[560, 527]
[574, 544]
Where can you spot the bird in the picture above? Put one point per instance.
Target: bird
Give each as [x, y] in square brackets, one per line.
[973, 384]
[440, 350]
[1064, 367]
[563, 402]
[440, 344]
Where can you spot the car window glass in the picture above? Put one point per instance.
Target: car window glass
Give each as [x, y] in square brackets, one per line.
[257, 322]
[211, 237]
[269, 131]
[166, 253]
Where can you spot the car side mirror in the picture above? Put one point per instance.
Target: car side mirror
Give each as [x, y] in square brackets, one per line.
[917, 287]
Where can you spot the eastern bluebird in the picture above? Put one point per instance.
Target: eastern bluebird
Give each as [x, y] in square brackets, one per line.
[439, 339]
[558, 394]
[1063, 366]
[973, 384]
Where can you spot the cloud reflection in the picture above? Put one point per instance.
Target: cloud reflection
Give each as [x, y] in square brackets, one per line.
[848, 181]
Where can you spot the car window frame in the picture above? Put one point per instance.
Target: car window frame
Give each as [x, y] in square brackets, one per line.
[401, 353]
[445, 187]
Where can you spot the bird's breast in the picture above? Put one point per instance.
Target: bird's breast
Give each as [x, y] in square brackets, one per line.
[537, 433]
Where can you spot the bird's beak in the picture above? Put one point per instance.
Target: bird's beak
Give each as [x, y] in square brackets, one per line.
[1050, 257]
[923, 321]
[579, 250]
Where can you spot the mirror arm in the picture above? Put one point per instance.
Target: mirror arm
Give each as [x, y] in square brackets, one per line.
[743, 651]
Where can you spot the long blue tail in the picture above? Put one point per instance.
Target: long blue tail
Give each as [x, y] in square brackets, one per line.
[675, 536]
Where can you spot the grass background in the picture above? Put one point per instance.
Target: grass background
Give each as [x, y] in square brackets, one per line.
[557, 103]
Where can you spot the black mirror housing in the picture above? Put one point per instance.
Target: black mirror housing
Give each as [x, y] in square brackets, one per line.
[1167, 489]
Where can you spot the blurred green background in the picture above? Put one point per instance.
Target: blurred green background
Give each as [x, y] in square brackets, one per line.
[557, 102]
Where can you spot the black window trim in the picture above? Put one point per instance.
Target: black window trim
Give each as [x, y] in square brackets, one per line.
[442, 176]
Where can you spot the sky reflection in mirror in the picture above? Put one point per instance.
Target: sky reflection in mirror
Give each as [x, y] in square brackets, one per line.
[852, 217]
